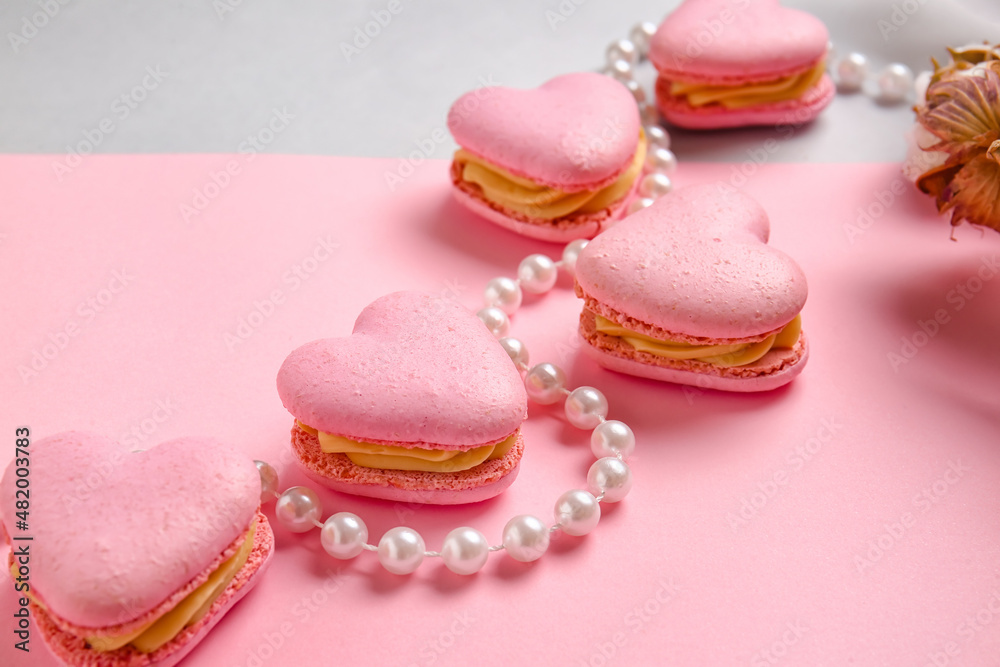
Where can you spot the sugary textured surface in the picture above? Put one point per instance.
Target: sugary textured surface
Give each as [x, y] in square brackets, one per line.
[695, 263]
[72, 650]
[575, 132]
[782, 115]
[736, 41]
[560, 230]
[418, 370]
[466, 486]
[98, 514]
[774, 369]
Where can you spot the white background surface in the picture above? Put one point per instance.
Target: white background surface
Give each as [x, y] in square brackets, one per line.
[230, 63]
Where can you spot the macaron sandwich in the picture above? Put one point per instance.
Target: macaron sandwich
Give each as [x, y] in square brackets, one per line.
[688, 291]
[731, 63]
[419, 404]
[556, 163]
[132, 557]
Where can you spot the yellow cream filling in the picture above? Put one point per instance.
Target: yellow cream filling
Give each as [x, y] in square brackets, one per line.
[528, 198]
[718, 355]
[371, 455]
[789, 87]
[188, 611]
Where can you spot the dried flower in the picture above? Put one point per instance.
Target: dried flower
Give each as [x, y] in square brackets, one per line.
[959, 132]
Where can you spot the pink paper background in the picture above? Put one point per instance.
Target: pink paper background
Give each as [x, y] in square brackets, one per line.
[669, 577]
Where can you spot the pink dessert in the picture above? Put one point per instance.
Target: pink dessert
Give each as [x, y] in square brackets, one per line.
[556, 163]
[419, 404]
[136, 556]
[688, 291]
[732, 63]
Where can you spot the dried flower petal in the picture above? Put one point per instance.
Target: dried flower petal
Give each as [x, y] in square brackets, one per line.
[962, 112]
[974, 192]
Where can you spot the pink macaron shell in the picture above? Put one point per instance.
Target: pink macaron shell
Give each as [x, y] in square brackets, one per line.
[733, 41]
[72, 650]
[582, 227]
[697, 263]
[337, 472]
[782, 115]
[417, 369]
[575, 132]
[116, 533]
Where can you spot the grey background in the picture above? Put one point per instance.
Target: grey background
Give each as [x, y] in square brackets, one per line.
[229, 63]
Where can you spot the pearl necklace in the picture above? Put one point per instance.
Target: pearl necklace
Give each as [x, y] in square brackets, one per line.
[525, 538]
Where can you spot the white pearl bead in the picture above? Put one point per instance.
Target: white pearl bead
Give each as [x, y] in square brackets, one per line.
[586, 407]
[577, 512]
[638, 92]
[641, 35]
[465, 551]
[495, 320]
[298, 508]
[649, 114]
[623, 49]
[610, 476]
[516, 350]
[268, 480]
[537, 273]
[344, 535]
[852, 70]
[639, 203]
[612, 438]
[401, 550]
[657, 136]
[895, 83]
[570, 254]
[661, 159]
[544, 383]
[525, 538]
[503, 293]
[654, 185]
[620, 70]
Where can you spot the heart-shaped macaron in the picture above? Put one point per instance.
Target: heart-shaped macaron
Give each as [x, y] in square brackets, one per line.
[688, 288]
[751, 62]
[418, 372]
[555, 162]
[120, 538]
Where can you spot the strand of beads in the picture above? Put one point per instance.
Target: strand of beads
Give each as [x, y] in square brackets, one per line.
[893, 84]
[622, 58]
[525, 538]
